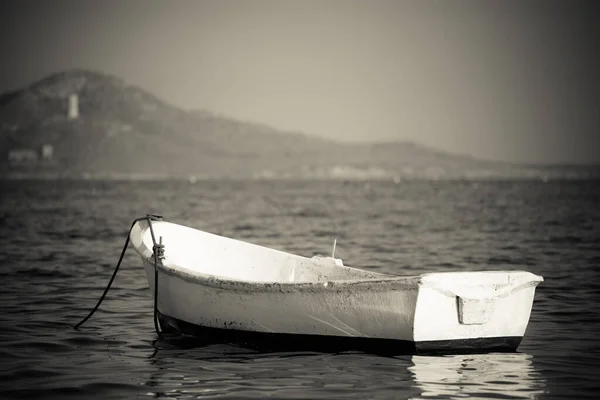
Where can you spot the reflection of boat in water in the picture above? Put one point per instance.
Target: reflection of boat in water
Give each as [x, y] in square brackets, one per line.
[508, 375]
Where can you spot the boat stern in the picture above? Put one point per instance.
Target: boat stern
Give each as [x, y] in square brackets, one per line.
[473, 311]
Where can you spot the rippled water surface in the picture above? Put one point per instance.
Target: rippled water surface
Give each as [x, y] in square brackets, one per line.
[61, 240]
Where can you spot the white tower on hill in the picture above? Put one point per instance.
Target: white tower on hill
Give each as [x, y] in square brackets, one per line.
[73, 107]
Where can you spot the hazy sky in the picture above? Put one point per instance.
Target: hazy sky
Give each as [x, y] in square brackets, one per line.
[511, 80]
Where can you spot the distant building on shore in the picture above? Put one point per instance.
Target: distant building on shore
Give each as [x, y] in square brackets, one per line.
[27, 157]
[22, 157]
[47, 152]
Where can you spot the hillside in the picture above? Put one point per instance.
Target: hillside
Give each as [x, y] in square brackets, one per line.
[124, 130]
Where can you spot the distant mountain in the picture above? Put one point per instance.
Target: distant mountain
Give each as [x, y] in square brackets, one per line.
[119, 129]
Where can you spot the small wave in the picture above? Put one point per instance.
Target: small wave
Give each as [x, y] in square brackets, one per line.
[244, 228]
[502, 260]
[325, 233]
[308, 213]
[27, 373]
[565, 239]
[39, 273]
[83, 341]
[48, 346]
[84, 233]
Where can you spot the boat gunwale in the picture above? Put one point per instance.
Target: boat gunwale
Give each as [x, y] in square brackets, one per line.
[387, 282]
[505, 292]
[382, 282]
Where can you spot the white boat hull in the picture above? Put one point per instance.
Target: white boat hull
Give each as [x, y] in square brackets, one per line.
[319, 301]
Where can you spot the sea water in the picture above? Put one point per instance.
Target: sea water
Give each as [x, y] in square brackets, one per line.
[60, 241]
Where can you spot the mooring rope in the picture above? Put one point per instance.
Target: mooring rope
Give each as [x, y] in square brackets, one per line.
[158, 251]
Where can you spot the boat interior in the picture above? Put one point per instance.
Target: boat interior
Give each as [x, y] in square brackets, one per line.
[202, 253]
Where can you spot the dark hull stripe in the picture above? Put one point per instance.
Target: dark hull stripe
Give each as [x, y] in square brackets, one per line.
[332, 344]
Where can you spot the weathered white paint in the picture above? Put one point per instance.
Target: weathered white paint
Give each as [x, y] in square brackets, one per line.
[214, 281]
[489, 304]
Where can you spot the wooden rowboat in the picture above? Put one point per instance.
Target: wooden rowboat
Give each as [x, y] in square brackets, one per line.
[229, 290]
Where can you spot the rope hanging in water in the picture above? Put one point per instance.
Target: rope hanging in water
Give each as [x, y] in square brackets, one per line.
[158, 252]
